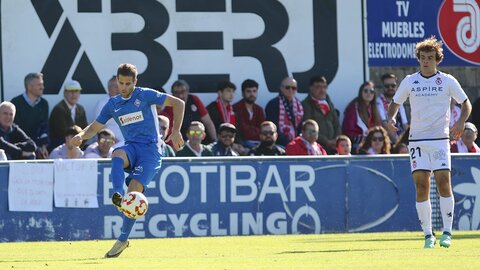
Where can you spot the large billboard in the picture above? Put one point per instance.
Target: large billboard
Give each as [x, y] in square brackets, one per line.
[200, 41]
[395, 26]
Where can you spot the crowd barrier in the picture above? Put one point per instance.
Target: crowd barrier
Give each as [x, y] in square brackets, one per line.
[247, 196]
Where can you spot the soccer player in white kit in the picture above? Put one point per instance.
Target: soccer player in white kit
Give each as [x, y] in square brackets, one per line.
[430, 92]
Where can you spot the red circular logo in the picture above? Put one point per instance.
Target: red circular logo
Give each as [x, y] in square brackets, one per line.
[459, 27]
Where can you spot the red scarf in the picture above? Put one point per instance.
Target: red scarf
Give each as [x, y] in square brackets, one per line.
[286, 118]
[226, 111]
[322, 105]
[312, 149]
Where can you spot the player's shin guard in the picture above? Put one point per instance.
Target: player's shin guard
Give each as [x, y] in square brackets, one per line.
[118, 176]
[424, 211]
[126, 228]
[446, 207]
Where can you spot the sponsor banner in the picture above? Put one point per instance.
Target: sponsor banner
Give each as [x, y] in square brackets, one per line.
[203, 42]
[395, 26]
[209, 197]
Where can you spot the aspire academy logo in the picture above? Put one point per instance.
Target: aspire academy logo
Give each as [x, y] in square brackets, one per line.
[459, 27]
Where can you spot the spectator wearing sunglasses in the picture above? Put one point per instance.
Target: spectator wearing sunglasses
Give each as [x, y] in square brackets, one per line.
[103, 147]
[360, 115]
[268, 136]
[194, 147]
[376, 142]
[165, 149]
[389, 81]
[286, 111]
[226, 138]
[306, 144]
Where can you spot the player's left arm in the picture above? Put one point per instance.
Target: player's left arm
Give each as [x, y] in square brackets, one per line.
[459, 95]
[458, 127]
[178, 106]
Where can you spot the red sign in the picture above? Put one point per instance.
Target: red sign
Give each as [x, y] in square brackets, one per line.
[459, 27]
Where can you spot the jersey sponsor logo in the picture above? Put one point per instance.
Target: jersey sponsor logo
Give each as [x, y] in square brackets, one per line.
[130, 118]
[428, 89]
[459, 27]
[137, 102]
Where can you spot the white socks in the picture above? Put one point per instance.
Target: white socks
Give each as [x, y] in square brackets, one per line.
[446, 208]
[424, 211]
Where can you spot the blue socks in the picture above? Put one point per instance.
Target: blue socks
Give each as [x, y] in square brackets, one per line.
[118, 176]
[126, 228]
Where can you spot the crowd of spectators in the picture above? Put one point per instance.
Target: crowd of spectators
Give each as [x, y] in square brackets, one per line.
[287, 125]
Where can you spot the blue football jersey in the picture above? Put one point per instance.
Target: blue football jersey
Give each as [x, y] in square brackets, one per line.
[136, 116]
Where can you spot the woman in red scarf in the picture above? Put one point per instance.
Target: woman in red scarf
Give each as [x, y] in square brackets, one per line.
[361, 114]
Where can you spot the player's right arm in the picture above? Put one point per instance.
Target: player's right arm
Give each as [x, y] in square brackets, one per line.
[87, 133]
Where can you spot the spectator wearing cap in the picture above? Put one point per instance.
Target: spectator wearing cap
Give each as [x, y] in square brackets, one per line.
[66, 114]
[226, 138]
[194, 147]
[466, 143]
[103, 147]
[13, 141]
[32, 112]
[67, 150]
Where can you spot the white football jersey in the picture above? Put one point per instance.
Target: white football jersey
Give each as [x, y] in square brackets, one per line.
[430, 103]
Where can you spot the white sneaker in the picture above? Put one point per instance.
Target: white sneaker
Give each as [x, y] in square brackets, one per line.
[117, 249]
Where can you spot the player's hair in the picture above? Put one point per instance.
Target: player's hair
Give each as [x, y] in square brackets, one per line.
[106, 132]
[8, 104]
[317, 78]
[367, 142]
[128, 70]
[309, 122]
[430, 44]
[225, 84]
[249, 83]
[31, 76]
[388, 76]
[269, 123]
[342, 138]
[198, 124]
[179, 83]
[73, 130]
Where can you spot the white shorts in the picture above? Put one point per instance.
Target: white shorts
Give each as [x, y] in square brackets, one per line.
[430, 155]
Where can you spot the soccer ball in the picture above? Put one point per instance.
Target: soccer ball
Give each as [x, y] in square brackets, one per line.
[134, 205]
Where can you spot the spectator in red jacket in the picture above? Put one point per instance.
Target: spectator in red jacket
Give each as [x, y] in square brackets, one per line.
[249, 115]
[306, 144]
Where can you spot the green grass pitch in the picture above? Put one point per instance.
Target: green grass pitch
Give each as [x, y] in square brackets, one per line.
[400, 250]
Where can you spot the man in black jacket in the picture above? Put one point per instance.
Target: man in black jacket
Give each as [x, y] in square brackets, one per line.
[13, 140]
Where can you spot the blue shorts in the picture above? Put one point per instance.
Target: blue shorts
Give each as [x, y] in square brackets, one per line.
[145, 162]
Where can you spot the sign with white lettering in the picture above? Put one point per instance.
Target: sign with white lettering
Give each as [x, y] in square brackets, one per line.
[395, 26]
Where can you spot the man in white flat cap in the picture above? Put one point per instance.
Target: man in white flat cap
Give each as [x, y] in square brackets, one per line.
[66, 114]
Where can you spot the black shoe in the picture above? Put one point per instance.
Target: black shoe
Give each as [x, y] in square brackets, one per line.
[117, 199]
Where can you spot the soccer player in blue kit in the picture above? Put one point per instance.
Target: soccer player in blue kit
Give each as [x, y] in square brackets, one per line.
[134, 110]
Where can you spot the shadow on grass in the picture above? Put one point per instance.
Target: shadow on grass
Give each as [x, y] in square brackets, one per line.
[331, 251]
[64, 260]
